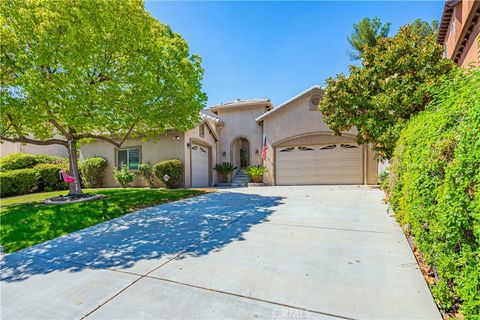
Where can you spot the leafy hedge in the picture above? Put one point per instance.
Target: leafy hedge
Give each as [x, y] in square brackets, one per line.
[92, 171]
[173, 168]
[48, 177]
[434, 188]
[22, 173]
[17, 161]
[18, 182]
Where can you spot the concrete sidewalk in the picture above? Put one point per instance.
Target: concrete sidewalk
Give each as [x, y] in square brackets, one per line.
[313, 252]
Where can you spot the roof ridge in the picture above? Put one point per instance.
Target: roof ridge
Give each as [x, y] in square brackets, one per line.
[286, 102]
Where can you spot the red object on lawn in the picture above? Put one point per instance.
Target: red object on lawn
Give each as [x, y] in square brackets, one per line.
[66, 177]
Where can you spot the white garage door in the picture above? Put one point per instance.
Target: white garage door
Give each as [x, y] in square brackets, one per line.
[199, 166]
[319, 164]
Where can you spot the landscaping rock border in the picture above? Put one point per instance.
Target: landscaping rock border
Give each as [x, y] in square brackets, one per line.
[69, 199]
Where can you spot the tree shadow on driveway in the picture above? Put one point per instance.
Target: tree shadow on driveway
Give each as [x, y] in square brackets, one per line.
[155, 233]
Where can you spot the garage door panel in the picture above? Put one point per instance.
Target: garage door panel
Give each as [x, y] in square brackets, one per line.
[200, 168]
[319, 164]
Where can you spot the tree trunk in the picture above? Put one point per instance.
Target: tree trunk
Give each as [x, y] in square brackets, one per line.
[75, 187]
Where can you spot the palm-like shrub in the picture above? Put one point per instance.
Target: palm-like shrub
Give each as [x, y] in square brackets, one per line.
[256, 173]
[225, 169]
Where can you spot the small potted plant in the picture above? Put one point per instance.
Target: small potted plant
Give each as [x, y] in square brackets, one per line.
[256, 175]
[225, 169]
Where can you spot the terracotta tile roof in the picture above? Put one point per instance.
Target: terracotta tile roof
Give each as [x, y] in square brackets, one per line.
[242, 103]
[207, 115]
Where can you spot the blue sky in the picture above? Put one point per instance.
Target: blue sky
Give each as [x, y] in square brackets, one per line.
[275, 50]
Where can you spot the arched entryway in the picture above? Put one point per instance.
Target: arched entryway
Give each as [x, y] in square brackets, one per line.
[240, 152]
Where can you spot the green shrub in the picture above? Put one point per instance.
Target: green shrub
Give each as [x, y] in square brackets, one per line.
[17, 161]
[173, 169]
[256, 173]
[434, 187]
[93, 171]
[48, 176]
[123, 176]
[225, 169]
[17, 182]
[146, 172]
[383, 180]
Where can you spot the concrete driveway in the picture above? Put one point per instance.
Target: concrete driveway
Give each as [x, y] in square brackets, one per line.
[314, 252]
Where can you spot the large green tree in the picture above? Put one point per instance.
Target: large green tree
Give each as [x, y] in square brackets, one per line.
[98, 69]
[389, 87]
[366, 33]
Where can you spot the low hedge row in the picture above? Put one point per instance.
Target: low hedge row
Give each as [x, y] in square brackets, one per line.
[42, 177]
[17, 161]
[17, 182]
[434, 189]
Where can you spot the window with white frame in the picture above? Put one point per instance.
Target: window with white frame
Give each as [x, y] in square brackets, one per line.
[129, 157]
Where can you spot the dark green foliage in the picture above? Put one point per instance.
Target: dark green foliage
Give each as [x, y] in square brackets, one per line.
[123, 176]
[225, 169]
[435, 188]
[173, 168]
[146, 171]
[391, 86]
[48, 176]
[366, 34]
[27, 221]
[383, 180]
[256, 173]
[16, 161]
[17, 182]
[92, 171]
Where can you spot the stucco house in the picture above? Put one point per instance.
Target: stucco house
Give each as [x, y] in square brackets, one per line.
[301, 148]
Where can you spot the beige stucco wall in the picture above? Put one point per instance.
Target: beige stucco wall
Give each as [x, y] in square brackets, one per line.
[240, 122]
[295, 124]
[7, 148]
[208, 140]
[164, 148]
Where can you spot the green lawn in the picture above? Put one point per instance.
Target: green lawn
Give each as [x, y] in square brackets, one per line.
[25, 220]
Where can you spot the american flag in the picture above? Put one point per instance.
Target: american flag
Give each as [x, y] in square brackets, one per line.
[264, 149]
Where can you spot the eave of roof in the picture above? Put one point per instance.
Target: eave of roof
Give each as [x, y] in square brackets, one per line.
[445, 21]
[282, 105]
[207, 115]
[242, 104]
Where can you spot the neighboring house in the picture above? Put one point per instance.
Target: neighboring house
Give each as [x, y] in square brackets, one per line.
[459, 31]
[301, 148]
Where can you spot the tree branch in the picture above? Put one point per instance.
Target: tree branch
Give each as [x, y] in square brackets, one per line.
[36, 142]
[61, 129]
[129, 131]
[94, 136]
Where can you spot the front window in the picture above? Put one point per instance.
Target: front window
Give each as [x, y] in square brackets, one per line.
[129, 157]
